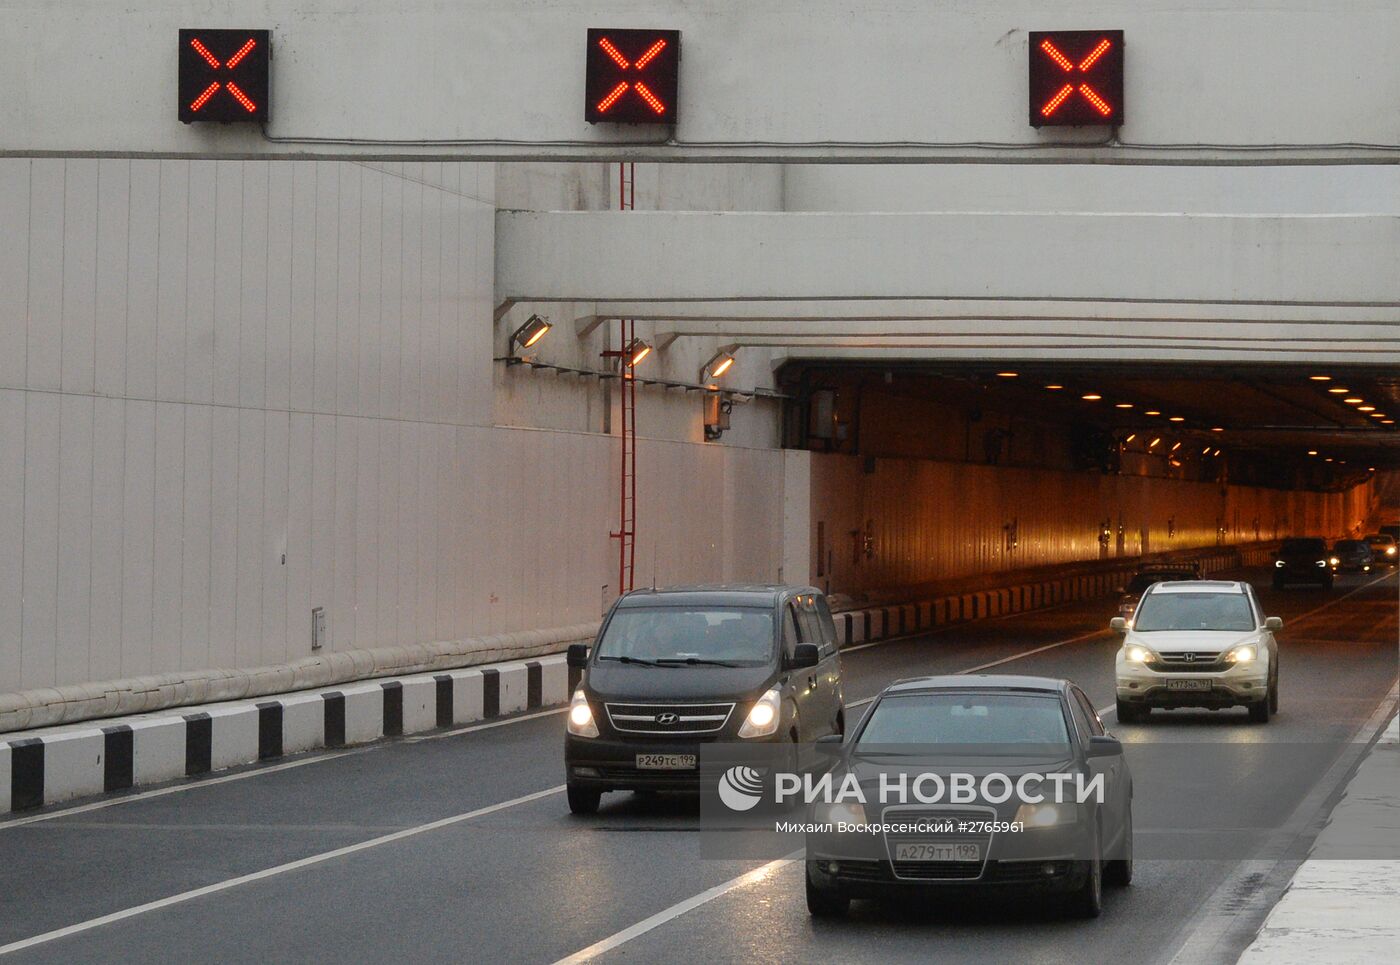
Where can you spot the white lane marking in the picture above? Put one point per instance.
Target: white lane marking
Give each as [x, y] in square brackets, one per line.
[675, 911]
[280, 869]
[418, 738]
[188, 786]
[998, 663]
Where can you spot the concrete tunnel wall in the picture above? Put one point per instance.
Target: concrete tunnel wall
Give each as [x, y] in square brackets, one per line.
[912, 522]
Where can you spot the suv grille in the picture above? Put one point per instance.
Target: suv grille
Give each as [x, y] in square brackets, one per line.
[668, 718]
[1200, 661]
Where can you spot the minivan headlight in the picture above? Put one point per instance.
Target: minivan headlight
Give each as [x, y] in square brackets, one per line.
[581, 723]
[764, 716]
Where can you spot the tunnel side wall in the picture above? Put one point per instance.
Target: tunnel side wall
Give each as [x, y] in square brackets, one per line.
[911, 522]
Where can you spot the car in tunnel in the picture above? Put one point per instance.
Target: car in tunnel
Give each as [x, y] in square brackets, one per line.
[1198, 644]
[1146, 575]
[676, 668]
[1303, 559]
[1007, 727]
[1351, 556]
[1384, 549]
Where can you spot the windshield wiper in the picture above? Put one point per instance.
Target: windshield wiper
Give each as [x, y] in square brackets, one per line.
[636, 660]
[695, 661]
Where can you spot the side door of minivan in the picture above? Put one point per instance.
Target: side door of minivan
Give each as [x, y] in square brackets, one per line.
[830, 677]
[801, 682]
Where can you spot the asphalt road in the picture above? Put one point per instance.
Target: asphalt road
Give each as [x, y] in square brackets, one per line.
[460, 847]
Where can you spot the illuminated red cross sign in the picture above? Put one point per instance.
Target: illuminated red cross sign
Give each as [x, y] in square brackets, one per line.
[632, 76]
[223, 75]
[1076, 77]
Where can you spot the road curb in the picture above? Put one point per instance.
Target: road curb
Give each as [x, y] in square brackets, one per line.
[44, 767]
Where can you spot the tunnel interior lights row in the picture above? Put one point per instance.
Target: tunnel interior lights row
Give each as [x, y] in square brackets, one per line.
[633, 76]
[1356, 400]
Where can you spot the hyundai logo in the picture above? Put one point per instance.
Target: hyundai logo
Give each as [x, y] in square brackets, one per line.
[667, 719]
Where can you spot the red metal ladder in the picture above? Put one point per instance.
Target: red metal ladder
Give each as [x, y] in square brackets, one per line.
[626, 533]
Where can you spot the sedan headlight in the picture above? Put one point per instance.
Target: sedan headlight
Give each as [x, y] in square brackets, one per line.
[581, 723]
[1046, 814]
[844, 812]
[764, 715]
[1138, 654]
[1245, 654]
[1390, 551]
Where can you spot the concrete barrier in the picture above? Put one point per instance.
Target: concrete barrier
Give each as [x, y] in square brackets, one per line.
[51, 765]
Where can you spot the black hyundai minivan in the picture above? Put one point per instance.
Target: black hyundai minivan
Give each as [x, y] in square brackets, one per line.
[675, 668]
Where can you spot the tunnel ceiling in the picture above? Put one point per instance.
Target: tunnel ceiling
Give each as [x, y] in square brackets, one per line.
[1277, 412]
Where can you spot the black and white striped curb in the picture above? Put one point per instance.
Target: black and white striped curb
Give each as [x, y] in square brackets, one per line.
[48, 766]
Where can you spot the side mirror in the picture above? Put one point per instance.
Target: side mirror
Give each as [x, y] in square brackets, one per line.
[1102, 745]
[1119, 624]
[805, 655]
[1273, 623]
[577, 656]
[830, 743]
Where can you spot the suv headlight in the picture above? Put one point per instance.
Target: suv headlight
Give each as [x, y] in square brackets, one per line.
[1246, 654]
[764, 716]
[581, 723]
[1046, 814]
[1136, 653]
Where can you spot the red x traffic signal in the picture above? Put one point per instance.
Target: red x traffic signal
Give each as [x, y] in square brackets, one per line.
[224, 75]
[632, 76]
[1076, 78]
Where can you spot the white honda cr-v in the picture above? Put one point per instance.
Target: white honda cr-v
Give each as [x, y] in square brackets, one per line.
[1200, 643]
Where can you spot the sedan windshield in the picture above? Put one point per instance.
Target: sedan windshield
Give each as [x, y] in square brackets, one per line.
[689, 635]
[1303, 547]
[966, 719]
[1194, 611]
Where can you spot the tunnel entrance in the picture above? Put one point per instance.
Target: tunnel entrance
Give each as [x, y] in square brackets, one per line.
[926, 471]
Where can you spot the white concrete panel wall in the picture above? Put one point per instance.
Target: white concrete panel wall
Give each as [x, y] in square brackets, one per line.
[232, 391]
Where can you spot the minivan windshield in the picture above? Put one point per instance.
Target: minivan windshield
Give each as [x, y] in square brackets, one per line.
[953, 718]
[1194, 611]
[682, 635]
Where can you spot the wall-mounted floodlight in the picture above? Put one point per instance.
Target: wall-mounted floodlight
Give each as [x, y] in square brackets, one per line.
[637, 350]
[535, 328]
[722, 361]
